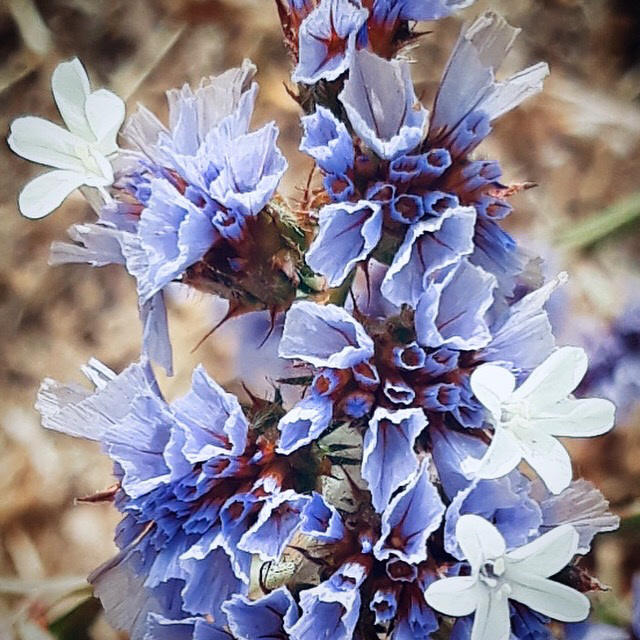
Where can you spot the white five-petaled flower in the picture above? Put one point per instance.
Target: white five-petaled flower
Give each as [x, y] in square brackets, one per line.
[80, 154]
[528, 419]
[498, 576]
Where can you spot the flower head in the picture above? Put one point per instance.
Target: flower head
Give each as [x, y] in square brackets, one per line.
[527, 420]
[498, 576]
[79, 154]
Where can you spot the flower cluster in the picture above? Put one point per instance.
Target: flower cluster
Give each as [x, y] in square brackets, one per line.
[389, 497]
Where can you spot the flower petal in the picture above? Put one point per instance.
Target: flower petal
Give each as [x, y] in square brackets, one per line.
[554, 379]
[70, 85]
[492, 620]
[493, 386]
[504, 455]
[576, 418]
[546, 555]
[46, 143]
[479, 539]
[551, 598]
[348, 233]
[457, 596]
[548, 458]
[324, 336]
[43, 194]
[388, 458]
[105, 114]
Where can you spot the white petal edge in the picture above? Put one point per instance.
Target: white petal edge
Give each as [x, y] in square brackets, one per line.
[549, 459]
[492, 620]
[503, 455]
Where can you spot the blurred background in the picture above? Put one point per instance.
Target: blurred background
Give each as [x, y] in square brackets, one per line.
[579, 141]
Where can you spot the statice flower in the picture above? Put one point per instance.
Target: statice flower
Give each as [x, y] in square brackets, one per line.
[81, 154]
[323, 35]
[377, 488]
[201, 493]
[197, 204]
[409, 194]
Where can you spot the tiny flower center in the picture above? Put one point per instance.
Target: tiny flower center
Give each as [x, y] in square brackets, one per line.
[492, 575]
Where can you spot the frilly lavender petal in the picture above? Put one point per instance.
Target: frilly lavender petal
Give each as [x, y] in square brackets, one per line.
[194, 485]
[411, 517]
[469, 97]
[388, 457]
[333, 606]
[453, 454]
[266, 617]
[523, 333]
[429, 245]
[445, 314]
[327, 40]
[580, 505]
[277, 522]
[505, 502]
[327, 141]
[214, 418]
[161, 628]
[348, 233]
[322, 521]
[417, 9]
[305, 422]
[324, 336]
[382, 106]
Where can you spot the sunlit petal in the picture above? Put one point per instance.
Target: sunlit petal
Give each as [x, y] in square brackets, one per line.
[45, 193]
[479, 539]
[457, 596]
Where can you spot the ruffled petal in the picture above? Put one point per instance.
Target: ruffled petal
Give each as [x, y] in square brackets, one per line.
[348, 233]
[388, 458]
[324, 336]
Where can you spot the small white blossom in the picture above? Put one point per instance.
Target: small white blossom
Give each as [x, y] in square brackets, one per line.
[80, 154]
[528, 419]
[498, 576]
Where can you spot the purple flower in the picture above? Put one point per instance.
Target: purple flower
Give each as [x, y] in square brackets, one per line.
[200, 494]
[266, 617]
[382, 106]
[388, 457]
[469, 97]
[197, 187]
[388, 10]
[327, 40]
[411, 517]
[445, 314]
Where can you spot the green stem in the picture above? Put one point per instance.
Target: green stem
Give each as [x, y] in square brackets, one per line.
[587, 232]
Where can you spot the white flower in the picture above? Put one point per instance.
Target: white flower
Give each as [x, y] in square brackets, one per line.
[79, 155]
[497, 577]
[527, 419]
